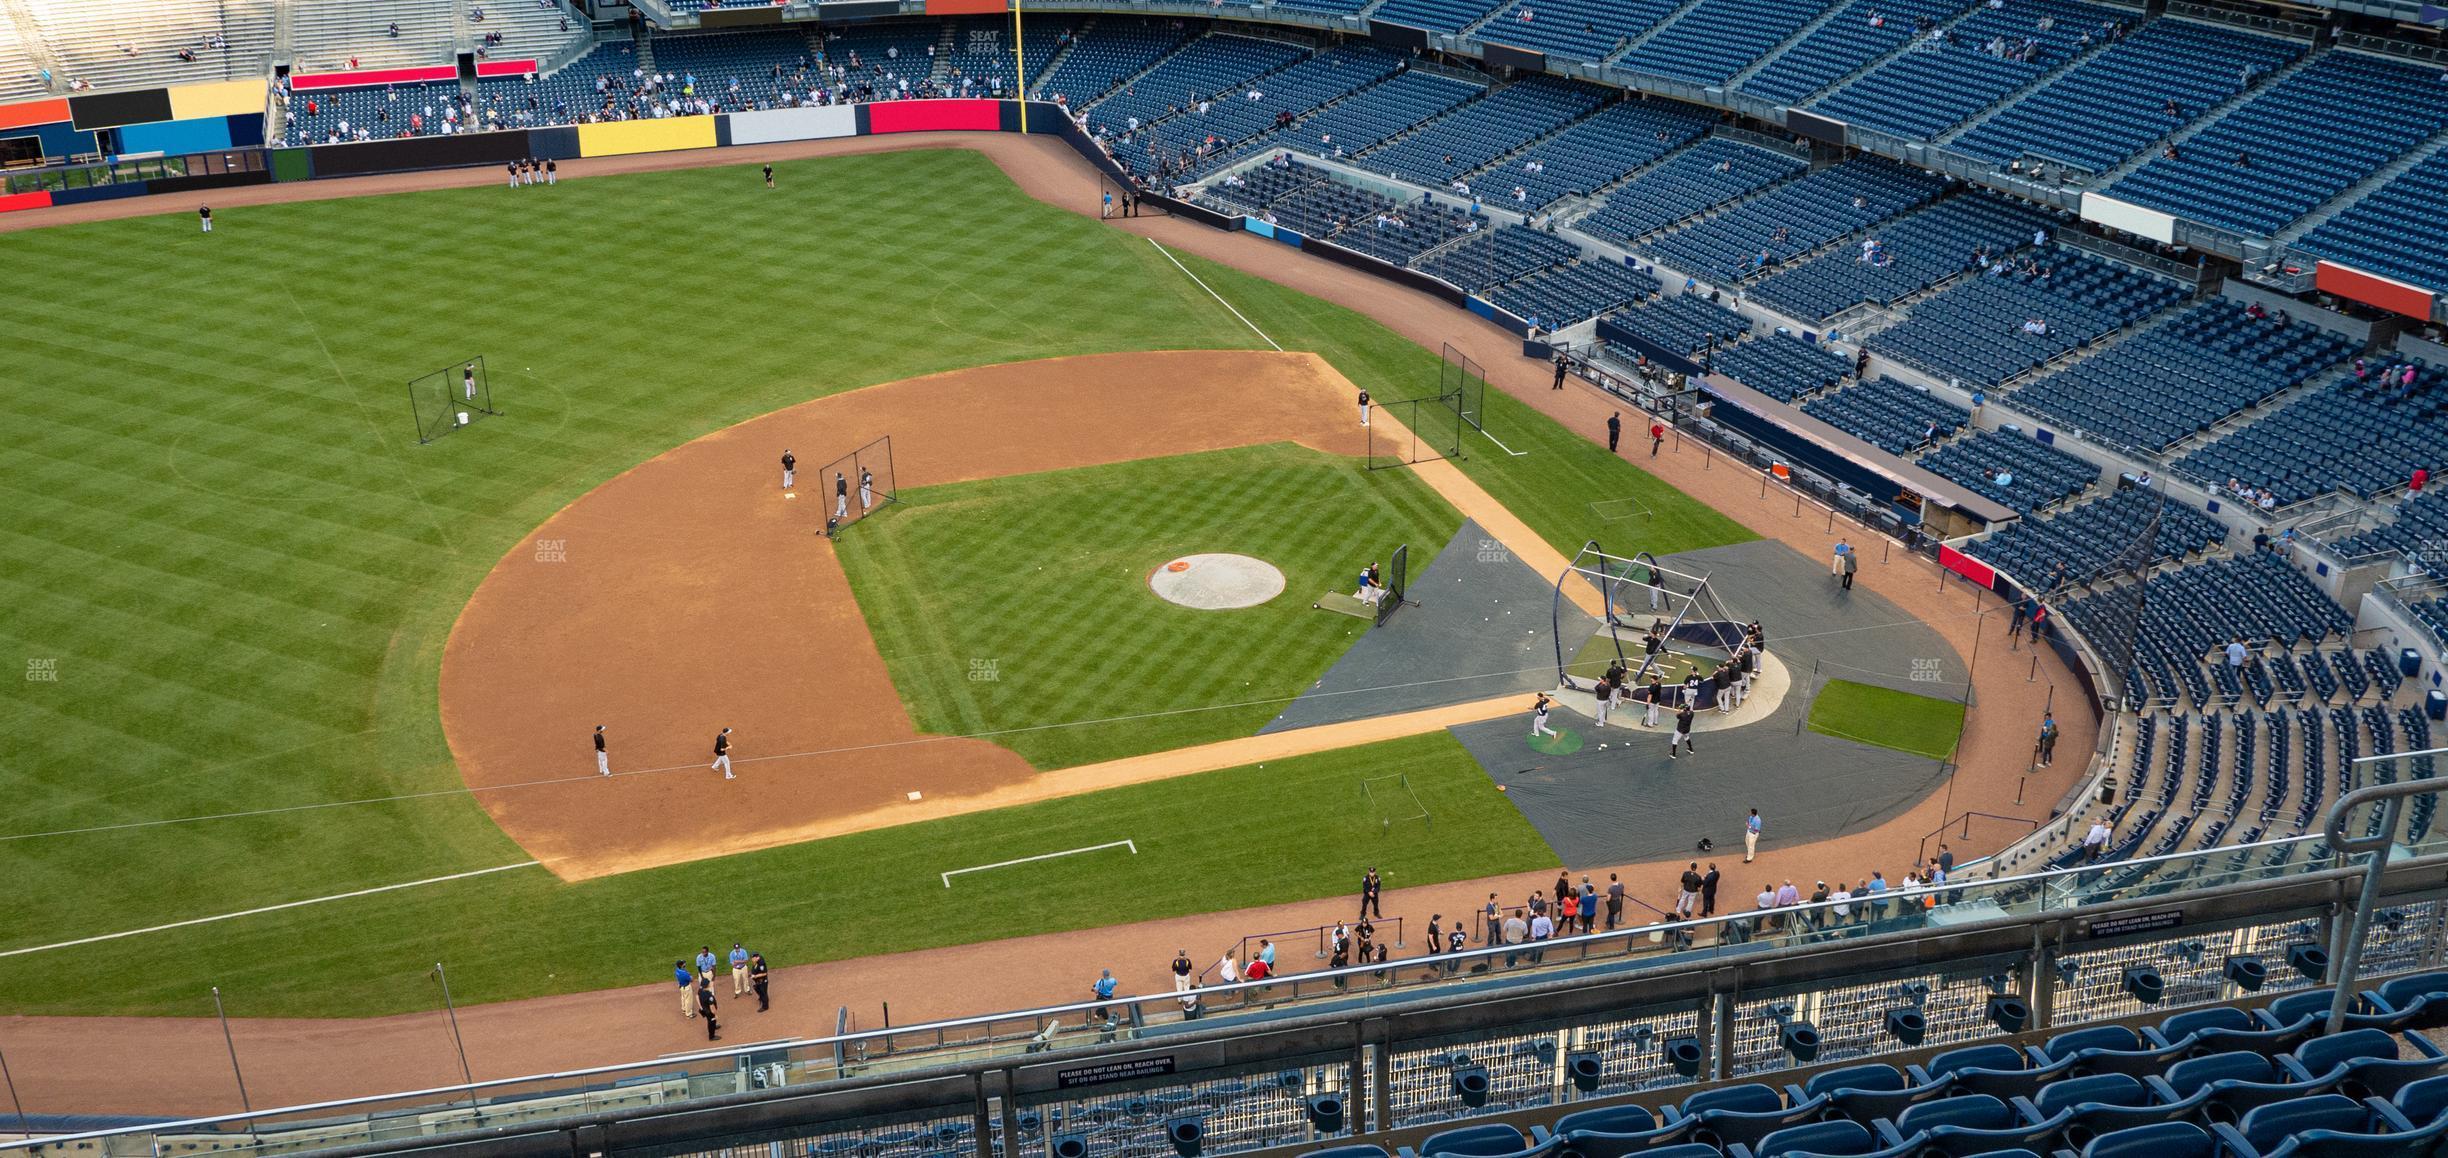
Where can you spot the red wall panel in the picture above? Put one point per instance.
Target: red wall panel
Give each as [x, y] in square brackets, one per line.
[934, 116]
[966, 7]
[2372, 289]
[360, 78]
[1967, 566]
[33, 113]
[505, 67]
[12, 202]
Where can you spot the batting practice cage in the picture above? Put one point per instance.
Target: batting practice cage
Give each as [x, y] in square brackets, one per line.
[1638, 593]
[450, 398]
[856, 485]
[1462, 380]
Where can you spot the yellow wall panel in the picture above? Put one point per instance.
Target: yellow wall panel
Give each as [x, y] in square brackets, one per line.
[619, 137]
[223, 99]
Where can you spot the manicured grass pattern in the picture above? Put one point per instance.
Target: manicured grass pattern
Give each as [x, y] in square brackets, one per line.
[1041, 581]
[224, 546]
[1206, 842]
[1890, 719]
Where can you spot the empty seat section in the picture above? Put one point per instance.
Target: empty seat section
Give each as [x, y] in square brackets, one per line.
[1895, 417]
[1863, 32]
[2182, 376]
[2300, 142]
[1714, 171]
[1717, 38]
[1796, 218]
[1998, 49]
[1914, 252]
[2110, 106]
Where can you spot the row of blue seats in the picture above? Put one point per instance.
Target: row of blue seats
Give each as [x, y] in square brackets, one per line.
[1581, 29]
[1365, 119]
[1940, 84]
[1976, 330]
[2110, 106]
[2370, 442]
[2180, 378]
[1597, 151]
[1715, 39]
[1796, 218]
[2418, 533]
[2259, 1083]
[2094, 540]
[1891, 415]
[1113, 49]
[1209, 68]
[2297, 144]
[1783, 367]
[1862, 33]
[1491, 257]
[1712, 172]
[2011, 470]
[1684, 322]
[2394, 231]
[1566, 294]
[1479, 132]
[1914, 252]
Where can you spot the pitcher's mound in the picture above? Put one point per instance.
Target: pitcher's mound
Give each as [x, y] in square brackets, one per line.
[1217, 582]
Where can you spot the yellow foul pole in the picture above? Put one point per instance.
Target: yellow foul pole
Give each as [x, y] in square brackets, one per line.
[1020, 65]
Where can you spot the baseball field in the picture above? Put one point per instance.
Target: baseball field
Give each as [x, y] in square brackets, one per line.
[275, 651]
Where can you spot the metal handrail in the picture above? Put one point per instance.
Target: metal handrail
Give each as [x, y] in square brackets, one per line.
[2345, 952]
[1676, 932]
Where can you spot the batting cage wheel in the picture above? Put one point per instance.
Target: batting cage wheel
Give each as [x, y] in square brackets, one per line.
[451, 397]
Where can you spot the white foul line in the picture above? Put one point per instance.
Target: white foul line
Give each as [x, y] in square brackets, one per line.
[271, 909]
[1501, 446]
[947, 877]
[1219, 299]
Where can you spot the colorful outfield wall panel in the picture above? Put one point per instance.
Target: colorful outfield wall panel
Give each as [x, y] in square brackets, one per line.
[814, 124]
[937, 116]
[621, 138]
[2372, 289]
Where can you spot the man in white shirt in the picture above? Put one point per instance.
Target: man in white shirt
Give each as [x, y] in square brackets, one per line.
[2095, 842]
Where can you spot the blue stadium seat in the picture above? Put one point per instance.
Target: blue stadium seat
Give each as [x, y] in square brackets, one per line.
[2300, 142]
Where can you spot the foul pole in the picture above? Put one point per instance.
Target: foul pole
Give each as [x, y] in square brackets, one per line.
[1020, 66]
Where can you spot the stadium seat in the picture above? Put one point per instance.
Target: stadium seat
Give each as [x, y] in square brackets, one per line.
[2364, 1062]
[2235, 1082]
[2165, 1140]
[1831, 1137]
[1482, 1141]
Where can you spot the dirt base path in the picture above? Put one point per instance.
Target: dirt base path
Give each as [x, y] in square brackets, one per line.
[691, 593]
[78, 1064]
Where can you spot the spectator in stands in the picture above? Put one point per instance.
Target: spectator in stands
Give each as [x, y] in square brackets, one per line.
[2095, 842]
[2422, 476]
[1767, 903]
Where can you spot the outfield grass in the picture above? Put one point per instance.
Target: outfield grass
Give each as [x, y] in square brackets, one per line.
[1549, 485]
[1045, 577]
[1206, 842]
[224, 545]
[1921, 725]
